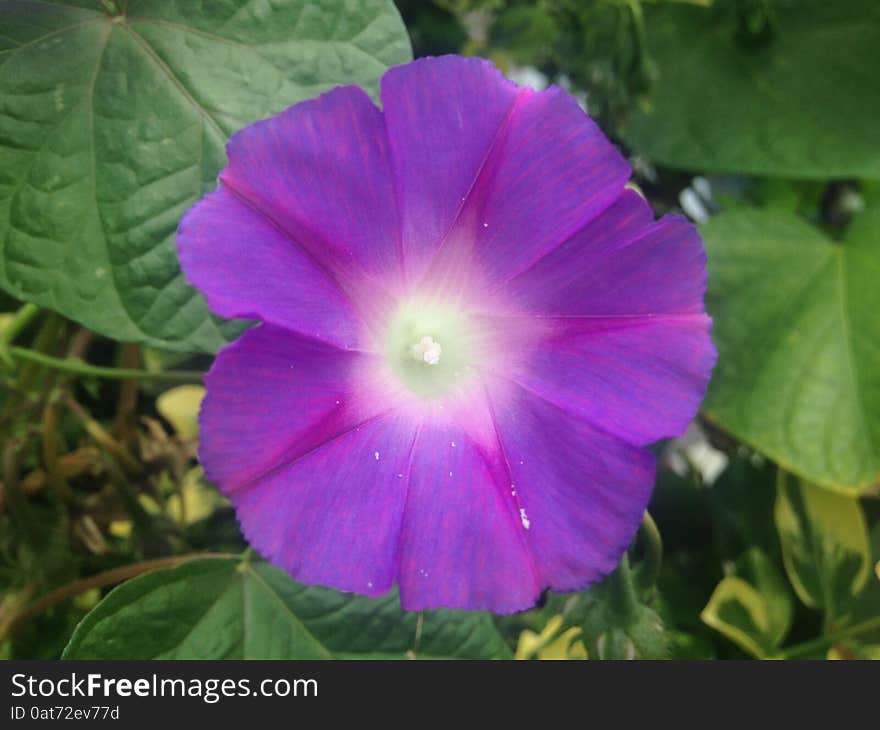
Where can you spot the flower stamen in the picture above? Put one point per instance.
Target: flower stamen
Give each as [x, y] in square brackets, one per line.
[426, 351]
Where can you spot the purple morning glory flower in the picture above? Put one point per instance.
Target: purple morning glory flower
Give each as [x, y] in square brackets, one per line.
[470, 331]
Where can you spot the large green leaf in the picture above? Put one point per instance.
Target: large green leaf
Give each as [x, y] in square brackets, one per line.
[230, 609]
[112, 125]
[825, 545]
[797, 325]
[801, 100]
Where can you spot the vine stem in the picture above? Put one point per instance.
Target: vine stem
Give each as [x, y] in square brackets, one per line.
[814, 645]
[78, 367]
[20, 320]
[622, 591]
[649, 569]
[100, 580]
[104, 439]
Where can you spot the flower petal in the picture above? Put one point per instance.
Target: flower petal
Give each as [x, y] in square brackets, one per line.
[582, 492]
[309, 458]
[320, 172]
[247, 268]
[550, 172]
[332, 515]
[462, 544]
[641, 378]
[272, 396]
[442, 115]
[626, 344]
[489, 170]
[620, 264]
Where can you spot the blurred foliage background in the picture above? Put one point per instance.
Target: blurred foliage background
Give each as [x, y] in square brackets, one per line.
[756, 118]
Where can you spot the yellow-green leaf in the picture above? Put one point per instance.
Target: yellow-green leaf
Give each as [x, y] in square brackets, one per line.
[551, 643]
[180, 407]
[739, 612]
[754, 607]
[825, 545]
[196, 499]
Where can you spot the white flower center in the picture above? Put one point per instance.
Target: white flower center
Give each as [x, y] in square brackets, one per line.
[426, 351]
[413, 350]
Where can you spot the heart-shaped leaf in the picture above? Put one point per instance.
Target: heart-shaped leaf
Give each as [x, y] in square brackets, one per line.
[232, 609]
[797, 326]
[790, 91]
[113, 123]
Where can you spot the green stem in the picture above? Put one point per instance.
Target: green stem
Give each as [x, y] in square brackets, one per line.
[811, 647]
[622, 592]
[701, 3]
[11, 494]
[128, 495]
[49, 447]
[638, 21]
[78, 367]
[249, 555]
[21, 320]
[104, 439]
[46, 341]
[649, 568]
[638, 18]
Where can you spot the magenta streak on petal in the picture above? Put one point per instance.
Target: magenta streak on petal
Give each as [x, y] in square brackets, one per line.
[509, 220]
[441, 117]
[609, 370]
[273, 396]
[617, 267]
[366, 300]
[320, 172]
[532, 196]
[583, 505]
[343, 533]
[452, 267]
[461, 545]
[267, 279]
[622, 221]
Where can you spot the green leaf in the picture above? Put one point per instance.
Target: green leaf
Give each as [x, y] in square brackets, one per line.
[798, 334]
[825, 545]
[741, 504]
[525, 32]
[852, 650]
[641, 638]
[180, 407]
[799, 99]
[688, 646]
[612, 630]
[740, 613]
[752, 608]
[756, 567]
[111, 127]
[229, 609]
